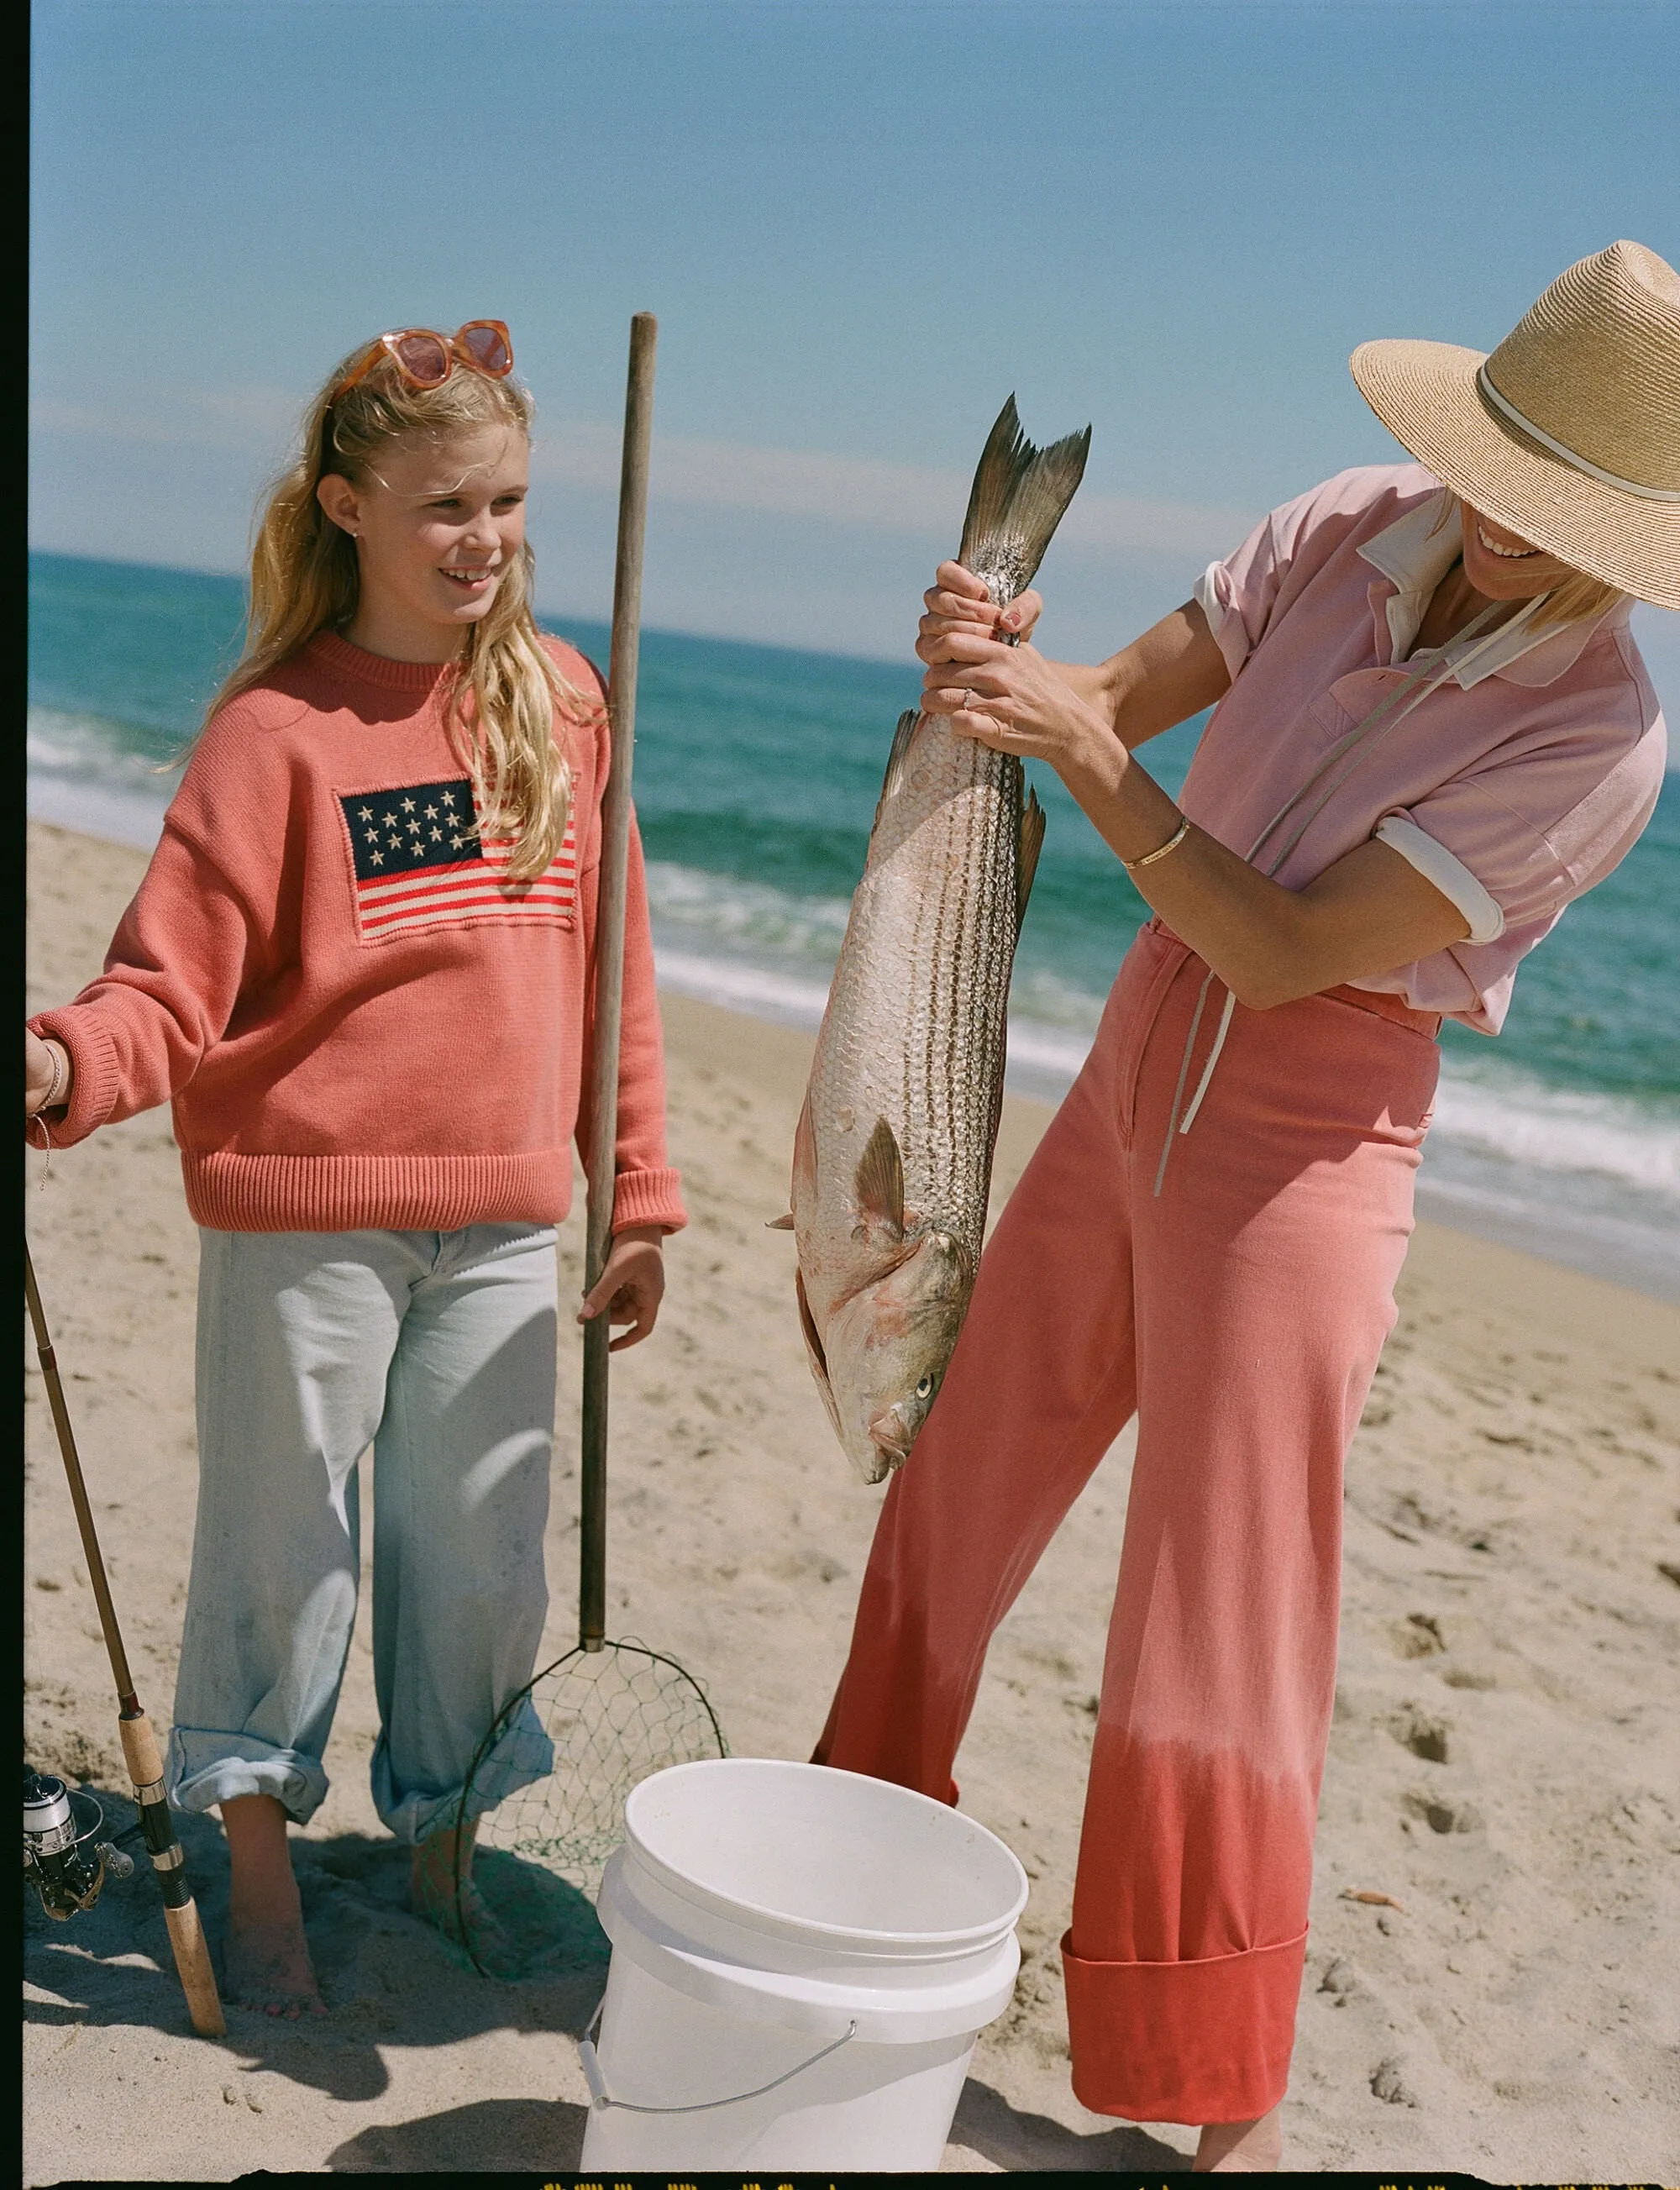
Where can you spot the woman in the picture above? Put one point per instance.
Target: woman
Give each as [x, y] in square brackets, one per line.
[360, 965]
[1432, 731]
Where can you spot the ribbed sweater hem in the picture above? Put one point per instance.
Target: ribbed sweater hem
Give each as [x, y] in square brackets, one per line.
[229, 1193]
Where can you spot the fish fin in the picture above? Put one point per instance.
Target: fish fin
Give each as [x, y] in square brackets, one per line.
[1028, 845]
[1019, 495]
[880, 1178]
[908, 723]
[780, 1223]
[814, 1352]
[804, 1155]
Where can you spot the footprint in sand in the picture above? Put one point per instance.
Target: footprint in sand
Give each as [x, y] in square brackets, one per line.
[1445, 1813]
[1388, 2081]
[1419, 1731]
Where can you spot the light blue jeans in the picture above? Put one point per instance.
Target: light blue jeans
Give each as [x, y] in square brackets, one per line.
[438, 1349]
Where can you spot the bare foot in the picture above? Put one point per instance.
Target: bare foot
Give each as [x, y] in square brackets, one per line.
[459, 1911]
[1250, 2147]
[266, 1958]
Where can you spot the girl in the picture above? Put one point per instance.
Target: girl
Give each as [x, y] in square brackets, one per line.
[1432, 731]
[359, 963]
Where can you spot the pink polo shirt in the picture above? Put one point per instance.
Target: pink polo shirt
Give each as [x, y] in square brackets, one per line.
[1514, 787]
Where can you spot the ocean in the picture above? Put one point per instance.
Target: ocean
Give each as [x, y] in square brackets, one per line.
[757, 773]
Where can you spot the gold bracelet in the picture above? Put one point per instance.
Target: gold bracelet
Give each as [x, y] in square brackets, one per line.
[1150, 857]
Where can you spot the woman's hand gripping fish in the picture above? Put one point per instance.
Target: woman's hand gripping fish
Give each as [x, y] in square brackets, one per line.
[892, 1162]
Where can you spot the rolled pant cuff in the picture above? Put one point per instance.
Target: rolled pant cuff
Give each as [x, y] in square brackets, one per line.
[522, 1755]
[1195, 2042]
[206, 1767]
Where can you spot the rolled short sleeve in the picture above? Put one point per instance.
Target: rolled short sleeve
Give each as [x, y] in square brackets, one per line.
[1527, 835]
[1512, 845]
[1484, 915]
[1240, 596]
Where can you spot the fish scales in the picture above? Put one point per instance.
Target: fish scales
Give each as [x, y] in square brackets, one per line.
[964, 940]
[915, 1026]
[893, 1159]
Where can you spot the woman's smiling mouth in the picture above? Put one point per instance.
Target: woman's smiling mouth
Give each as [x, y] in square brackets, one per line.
[1509, 554]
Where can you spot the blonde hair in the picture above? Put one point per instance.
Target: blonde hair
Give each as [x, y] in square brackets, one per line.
[1579, 599]
[500, 714]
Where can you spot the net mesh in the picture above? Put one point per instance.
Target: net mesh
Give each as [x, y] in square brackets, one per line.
[548, 1787]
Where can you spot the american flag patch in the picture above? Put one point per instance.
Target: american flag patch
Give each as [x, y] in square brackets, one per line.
[420, 863]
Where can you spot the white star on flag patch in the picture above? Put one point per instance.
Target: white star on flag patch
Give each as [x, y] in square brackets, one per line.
[420, 863]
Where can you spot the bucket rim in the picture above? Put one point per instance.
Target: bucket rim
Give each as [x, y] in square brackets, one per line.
[935, 1945]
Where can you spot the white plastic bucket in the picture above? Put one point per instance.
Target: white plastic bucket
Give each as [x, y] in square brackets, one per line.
[802, 1960]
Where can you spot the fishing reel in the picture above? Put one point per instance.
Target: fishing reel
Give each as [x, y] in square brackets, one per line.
[62, 1858]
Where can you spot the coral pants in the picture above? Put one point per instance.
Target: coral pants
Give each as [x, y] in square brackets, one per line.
[1240, 1313]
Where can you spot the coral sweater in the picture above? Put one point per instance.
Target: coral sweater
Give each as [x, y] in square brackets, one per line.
[361, 1022]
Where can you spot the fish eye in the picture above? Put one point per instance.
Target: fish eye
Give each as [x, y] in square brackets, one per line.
[924, 1390]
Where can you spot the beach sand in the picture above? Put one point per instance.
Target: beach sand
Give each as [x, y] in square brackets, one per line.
[1502, 1763]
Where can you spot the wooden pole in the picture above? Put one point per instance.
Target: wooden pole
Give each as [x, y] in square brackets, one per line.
[609, 968]
[139, 1743]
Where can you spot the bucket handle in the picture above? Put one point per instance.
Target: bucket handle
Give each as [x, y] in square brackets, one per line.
[600, 2098]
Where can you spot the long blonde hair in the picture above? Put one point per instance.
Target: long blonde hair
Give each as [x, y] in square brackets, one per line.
[506, 689]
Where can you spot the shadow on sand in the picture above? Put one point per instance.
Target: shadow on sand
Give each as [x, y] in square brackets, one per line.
[496, 2135]
[509, 2134]
[1028, 2144]
[389, 1978]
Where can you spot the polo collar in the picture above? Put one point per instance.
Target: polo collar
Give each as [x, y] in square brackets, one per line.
[1415, 553]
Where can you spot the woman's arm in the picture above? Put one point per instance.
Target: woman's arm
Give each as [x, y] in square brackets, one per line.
[1369, 912]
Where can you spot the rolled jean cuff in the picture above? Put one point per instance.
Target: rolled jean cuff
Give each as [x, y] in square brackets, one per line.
[207, 1766]
[1196, 2042]
[522, 1754]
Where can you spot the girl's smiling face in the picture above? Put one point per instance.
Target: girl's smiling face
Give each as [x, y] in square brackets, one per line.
[437, 527]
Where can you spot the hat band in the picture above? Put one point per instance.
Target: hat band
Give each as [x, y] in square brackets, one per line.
[1562, 448]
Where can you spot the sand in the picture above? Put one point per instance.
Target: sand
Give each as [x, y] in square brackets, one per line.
[1502, 1763]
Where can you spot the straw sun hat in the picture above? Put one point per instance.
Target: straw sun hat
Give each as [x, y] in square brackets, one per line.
[1569, 433]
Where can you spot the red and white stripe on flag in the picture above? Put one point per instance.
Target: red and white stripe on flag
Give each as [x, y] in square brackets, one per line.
[420, 863]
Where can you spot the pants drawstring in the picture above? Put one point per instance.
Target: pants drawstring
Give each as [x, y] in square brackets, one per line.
[1173, 1121]
[1224, 1027]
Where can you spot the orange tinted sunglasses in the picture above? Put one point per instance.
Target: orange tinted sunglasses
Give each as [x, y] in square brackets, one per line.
[425, 359]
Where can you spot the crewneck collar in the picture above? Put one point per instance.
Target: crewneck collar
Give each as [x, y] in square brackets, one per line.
[337, 653]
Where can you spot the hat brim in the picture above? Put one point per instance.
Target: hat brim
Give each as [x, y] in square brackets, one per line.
[1426, 394]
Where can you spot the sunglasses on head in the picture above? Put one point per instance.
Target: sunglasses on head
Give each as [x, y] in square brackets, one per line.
[425, 359]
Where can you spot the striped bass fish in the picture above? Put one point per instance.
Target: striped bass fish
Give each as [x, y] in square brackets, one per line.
[892, 1159]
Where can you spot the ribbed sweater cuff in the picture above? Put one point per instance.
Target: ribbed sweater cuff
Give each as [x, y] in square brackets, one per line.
[648, 1197]
[95, 1080]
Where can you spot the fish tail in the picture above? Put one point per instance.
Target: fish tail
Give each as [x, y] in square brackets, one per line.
[1017, 500]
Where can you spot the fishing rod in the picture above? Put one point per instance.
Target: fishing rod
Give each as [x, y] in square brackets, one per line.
[139, 1743]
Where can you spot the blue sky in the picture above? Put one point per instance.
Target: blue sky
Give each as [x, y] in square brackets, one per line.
[861, 226]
